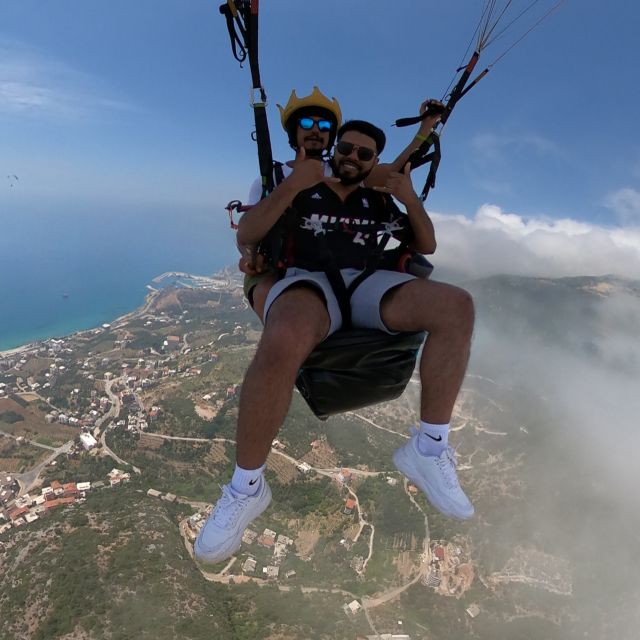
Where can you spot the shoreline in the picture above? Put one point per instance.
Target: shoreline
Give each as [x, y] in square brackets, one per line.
[33, 344]
[17, 350]
[150, 295]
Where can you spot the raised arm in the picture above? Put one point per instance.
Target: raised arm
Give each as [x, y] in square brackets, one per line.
[380, 173]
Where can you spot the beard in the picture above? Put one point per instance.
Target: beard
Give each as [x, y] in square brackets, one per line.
[316, 150]
[348, 179]
[314, 153]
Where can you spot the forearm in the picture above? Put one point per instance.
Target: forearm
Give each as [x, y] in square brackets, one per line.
[256, 223]
[414, 145]
[422, 227]
[380, 172]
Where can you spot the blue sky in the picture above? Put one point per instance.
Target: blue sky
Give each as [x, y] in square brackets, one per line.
[141, 103]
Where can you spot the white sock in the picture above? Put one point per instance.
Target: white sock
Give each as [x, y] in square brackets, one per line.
[433, 438]
[247, 481]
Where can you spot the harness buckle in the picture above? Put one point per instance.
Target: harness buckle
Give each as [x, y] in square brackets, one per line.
[233, 206]
[257, 97]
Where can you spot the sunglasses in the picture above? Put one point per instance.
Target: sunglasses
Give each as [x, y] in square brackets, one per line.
[347, 148]
[307, 124]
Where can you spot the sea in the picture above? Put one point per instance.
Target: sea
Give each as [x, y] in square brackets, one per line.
[66, 268]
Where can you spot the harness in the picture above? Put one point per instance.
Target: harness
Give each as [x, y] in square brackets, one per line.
[279, 247]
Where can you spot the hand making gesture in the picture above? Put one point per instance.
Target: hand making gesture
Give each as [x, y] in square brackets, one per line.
[307, 172]
[399, 185]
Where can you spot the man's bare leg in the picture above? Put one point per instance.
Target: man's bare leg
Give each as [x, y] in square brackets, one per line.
[447, 313]
[298, 320]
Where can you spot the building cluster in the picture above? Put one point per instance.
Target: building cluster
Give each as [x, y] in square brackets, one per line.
[168, 497]
[9, 489]
[52, 348]
[448, 573]
[16, 511]
[143, 375]
[116, 477]
[172, 343]
[77, 418]
[344, 477]
[278, 545]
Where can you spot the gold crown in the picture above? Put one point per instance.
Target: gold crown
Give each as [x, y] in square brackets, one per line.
[315, 99]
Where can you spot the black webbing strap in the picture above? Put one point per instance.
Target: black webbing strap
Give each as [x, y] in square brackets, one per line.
[274, 246]
[372, 264]
[422, 155]
[265, 157]
[242, 23]
[236, 29]
[332, 271]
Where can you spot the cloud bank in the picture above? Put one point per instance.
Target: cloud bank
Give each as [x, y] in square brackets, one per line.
[495, 242]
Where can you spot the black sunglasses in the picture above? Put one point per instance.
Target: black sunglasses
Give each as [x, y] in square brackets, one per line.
[346, 149]
[307, 124]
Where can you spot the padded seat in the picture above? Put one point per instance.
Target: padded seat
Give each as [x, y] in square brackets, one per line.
[358, 367]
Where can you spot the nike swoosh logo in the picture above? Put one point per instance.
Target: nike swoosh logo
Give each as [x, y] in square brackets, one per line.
[438, 439]
[252, 482]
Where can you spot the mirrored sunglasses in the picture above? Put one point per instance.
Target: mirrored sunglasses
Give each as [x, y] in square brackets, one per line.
[307, 124]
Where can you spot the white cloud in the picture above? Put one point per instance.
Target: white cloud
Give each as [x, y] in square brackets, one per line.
[495, 242]
[36, 85]
[625, 203]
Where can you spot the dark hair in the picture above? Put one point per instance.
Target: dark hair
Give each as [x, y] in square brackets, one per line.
[320, 112]
[368, 129]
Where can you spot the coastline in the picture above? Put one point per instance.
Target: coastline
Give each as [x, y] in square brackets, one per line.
[130, 315]
[141, 309]
[17, 350]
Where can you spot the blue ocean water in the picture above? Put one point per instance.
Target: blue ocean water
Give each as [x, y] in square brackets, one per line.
[64, 269]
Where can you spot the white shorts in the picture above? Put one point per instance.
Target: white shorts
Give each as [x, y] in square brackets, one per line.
[365, 300]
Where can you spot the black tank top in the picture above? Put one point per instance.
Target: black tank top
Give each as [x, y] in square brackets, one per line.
[347, 232]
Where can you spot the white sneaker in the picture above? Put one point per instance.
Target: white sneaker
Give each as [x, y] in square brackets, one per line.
[221, 535]
[436, 477]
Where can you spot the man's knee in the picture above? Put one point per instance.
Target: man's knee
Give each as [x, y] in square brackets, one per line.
[428, 305]
[455, 307]
[464, 308]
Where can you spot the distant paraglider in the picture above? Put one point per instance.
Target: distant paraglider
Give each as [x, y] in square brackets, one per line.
[13, 179]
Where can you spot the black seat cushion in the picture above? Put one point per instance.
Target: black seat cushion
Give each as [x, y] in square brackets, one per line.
[356, 368]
